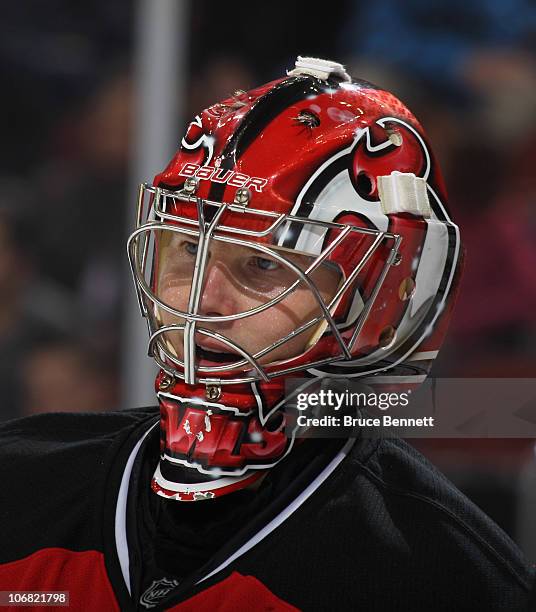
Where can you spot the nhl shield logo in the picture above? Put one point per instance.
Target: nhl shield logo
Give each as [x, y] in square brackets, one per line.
[157, 591]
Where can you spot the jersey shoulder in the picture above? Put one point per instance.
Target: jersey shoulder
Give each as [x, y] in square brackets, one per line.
[55, 470]
[426, 516]
[49, 435]
[64, 421]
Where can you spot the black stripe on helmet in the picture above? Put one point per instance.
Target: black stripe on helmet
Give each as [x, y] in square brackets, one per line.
[264, 111]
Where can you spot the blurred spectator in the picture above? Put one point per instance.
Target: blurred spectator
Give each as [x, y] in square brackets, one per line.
[67, 123]
[432, 42]
[52, 55]
[218, 79]
[64, 376]
[80, 192]
[62, 239]
[495, 191]
[21, 320]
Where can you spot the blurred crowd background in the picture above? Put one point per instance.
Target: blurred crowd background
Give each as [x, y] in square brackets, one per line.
[466, 68]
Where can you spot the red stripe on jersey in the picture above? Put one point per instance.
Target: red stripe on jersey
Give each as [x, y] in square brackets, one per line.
[82, 574]
[236, 592]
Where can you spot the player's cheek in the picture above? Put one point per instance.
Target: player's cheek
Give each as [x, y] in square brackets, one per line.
[173, 296]
[283, 319]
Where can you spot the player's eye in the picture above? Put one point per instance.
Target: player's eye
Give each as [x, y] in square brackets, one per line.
[266, 265]
[190, 247]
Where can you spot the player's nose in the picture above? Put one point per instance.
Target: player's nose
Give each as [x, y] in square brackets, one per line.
[219, 297]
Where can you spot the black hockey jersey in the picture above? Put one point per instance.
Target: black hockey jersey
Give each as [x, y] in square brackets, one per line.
[362, 525]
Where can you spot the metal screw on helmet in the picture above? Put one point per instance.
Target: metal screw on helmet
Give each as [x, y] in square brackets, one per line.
[213, 391]
[406, 289]
[242, 196]
[397, 259]
[191, 184]
[387, 336]
[166, 382]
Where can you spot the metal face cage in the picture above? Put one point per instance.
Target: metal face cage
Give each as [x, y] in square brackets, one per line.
[235, 224]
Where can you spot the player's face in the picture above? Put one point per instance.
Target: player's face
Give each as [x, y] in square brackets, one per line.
[238, 279]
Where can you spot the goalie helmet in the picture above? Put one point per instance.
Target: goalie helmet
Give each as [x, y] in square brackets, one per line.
[301, 230]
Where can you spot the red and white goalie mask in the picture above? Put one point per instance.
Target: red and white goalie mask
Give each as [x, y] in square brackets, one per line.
[301, 230]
